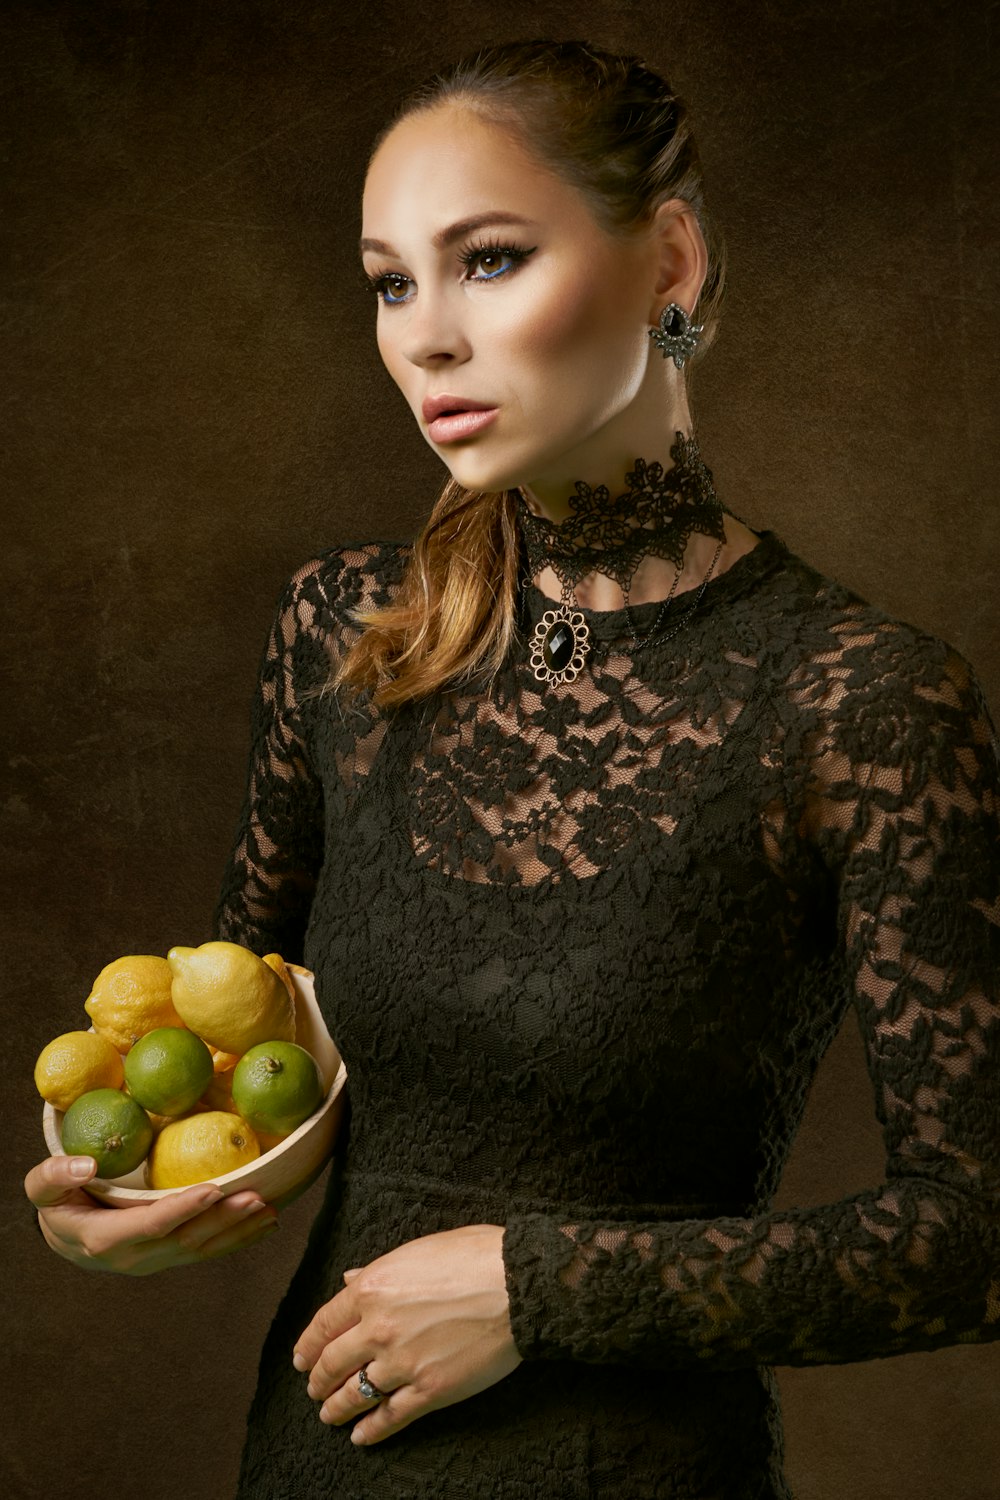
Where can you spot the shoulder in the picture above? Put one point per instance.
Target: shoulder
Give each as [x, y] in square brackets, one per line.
[324, 591]
[883, 681]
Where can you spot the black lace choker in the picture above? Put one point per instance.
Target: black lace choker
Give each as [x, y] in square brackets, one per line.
[655, 516]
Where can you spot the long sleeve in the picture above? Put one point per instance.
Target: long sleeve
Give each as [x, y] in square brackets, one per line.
[899, 800]
[277, 851]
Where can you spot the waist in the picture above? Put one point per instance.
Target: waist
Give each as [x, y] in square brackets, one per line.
[510, 1198]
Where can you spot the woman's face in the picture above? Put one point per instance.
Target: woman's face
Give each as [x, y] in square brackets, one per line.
[545, 320]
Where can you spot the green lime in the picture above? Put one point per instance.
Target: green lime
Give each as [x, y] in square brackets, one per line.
[168, 1070]
[277, 1085]
[109, 1126]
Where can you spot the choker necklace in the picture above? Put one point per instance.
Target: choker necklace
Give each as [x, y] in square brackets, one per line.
[656, 515]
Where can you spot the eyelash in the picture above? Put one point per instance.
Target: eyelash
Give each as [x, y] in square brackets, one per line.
[468, 255]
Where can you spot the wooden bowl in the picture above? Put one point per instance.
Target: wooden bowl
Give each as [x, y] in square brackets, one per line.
[278, 1175]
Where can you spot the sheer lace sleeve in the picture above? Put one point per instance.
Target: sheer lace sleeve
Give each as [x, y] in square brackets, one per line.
[898, 795]
[271, 874]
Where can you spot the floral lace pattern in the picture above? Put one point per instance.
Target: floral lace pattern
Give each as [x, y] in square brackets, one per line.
[655, 516]
[583, 947]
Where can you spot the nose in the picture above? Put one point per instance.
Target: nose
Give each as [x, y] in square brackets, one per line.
[435, 330]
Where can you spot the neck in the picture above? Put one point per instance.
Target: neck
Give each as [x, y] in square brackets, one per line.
[657, 533]
[658, 411]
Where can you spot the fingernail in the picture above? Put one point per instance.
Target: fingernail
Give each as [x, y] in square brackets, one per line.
[212, 1197]
[251, 1208]
[357, 1437]
[82, 1166]
[299, 1361]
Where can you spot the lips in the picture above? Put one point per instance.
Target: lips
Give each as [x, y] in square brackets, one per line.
[460, 424]
[445, 405]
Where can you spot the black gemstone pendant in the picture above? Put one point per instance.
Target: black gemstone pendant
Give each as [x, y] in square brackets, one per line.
[559, 645]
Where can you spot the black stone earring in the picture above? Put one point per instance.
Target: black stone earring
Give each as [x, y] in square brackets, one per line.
[676, 336]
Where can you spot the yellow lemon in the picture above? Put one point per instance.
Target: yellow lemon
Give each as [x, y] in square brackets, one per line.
[219, 1094]
[223, 1062]
[200, 1147]
[277, 963]
[230, 997]
[75, 1063]
[130, 997]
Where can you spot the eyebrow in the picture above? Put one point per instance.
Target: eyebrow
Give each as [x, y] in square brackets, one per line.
[454, 231]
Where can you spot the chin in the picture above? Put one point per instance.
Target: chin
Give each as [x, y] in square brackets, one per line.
[481, 475]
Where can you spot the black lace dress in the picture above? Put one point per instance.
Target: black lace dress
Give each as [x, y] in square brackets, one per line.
[582, 949]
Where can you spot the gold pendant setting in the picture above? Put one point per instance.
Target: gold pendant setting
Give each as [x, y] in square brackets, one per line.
[559, 645]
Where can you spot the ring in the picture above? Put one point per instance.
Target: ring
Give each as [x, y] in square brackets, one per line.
[368, 1390]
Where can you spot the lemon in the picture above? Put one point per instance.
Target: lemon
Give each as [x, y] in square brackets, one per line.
[223, 1062]
[168, 1070]
[109, 1126]
[75, 1063]
[130, 997]
[276, 1086]
[277, 963]
[219, 1094]
[199, 1147]
[230, 997]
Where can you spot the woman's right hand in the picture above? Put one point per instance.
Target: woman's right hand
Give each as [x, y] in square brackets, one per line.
[196, 1224]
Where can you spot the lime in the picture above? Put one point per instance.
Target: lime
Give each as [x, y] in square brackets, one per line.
[199, 1147]
[109, 1126]
[168, 1070]
[277, 1085]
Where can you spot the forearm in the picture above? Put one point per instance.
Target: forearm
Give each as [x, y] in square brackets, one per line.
[909, 1266]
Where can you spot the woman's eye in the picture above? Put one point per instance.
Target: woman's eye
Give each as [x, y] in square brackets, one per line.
[382, 284]
[495, 255]
[391, 285]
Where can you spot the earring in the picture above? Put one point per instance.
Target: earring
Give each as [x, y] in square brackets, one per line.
[676, 336]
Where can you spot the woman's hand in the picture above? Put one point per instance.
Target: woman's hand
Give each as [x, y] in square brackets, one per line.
[431, 1322]
[193, 1225]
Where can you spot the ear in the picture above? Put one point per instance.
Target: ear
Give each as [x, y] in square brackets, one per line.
[680, 257]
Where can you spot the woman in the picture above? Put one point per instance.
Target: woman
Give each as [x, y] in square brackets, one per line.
[593, 811]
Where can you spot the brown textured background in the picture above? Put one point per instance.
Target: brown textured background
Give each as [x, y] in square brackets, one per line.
[195, 405]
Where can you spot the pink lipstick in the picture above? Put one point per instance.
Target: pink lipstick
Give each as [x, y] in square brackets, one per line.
[460, 424]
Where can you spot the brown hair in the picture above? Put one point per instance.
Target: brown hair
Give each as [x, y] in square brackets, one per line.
[614, 129]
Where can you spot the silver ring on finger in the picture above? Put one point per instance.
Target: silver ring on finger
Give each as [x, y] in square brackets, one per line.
[370, 1391]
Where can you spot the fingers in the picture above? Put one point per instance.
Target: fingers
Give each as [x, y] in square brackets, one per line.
[252, 1224]
[197, 1223]
[229, 1213]
[402, 1407]
[333, 1318]
[161, 1216]
[338, 1364]
[57, 1179]
[227, 1224]
[347, 1400]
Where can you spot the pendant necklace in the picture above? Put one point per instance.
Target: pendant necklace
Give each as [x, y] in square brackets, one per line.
[656, 515]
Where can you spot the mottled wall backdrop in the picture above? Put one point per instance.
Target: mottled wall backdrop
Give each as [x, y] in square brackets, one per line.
[195, 405]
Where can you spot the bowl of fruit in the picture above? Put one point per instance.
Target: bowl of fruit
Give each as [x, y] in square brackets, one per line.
[211, 1065]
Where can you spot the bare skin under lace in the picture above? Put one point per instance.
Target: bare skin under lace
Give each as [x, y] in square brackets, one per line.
[583, 948]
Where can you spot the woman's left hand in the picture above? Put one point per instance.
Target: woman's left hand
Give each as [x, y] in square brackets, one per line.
[430, 1321]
